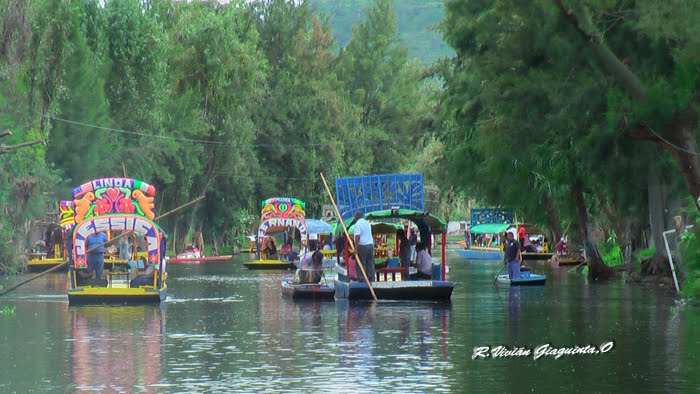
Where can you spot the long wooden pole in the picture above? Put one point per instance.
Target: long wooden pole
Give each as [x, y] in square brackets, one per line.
[102, 244]
[54, 268]
[350, 240]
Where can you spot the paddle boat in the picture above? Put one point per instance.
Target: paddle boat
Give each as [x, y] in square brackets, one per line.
[391, 198]
[116, 205]
[278, 215]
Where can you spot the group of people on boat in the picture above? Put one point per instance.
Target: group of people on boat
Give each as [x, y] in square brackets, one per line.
[140, 273]
[412, 253]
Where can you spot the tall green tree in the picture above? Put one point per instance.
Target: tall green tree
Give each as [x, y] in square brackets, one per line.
[526, 139]
[81, 151]
[215, 63]
[307, 121]
[385, 86]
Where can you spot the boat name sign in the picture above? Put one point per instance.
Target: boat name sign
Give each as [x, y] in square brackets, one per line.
[137, 224]
[283, 223]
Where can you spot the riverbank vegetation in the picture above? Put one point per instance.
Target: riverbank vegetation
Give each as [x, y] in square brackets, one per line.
[584, 111]
[562, 111]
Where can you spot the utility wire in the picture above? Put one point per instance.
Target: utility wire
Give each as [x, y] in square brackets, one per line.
[208, 142]
[204, 142]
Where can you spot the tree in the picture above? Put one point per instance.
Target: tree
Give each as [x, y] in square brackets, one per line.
[385, 85]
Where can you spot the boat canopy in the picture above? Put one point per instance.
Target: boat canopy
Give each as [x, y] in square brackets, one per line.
[377, 228]
[420, 218]
[489, 228]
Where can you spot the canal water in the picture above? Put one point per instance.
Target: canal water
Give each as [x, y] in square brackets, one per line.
[227, 329]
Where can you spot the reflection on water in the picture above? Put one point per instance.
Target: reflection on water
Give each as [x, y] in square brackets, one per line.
[230, 330]
[117, 348]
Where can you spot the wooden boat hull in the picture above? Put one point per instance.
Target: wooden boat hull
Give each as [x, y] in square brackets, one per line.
[37, 265]
[195, 260]
[89, 295]
[429, 290]
[471, 254]
[270, 265]
[307, 291]
[536, 256]
[532, 280]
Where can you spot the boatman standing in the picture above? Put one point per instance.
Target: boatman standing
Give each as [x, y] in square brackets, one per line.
[512, 256]
[364, 243]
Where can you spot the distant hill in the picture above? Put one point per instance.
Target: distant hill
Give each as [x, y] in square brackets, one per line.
[416, 21]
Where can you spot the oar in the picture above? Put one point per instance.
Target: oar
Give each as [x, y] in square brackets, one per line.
[103, 244]
[497, 273]
[352, 244]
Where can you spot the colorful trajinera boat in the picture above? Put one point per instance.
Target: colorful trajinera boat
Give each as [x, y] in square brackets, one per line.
[385, 198]
[115, 205]
[483, 236]
[50, 251]
[279, 214]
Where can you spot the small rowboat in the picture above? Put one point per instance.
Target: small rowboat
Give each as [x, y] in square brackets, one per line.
[531, 280]
[309, 291]
[212, 259]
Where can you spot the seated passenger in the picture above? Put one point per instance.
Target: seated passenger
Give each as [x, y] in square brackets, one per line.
[145, 277]
[423, 263]
[313, 259]
[286, 249]
[269, 250]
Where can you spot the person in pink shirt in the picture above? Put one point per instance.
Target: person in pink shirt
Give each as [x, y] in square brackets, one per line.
[423, 263]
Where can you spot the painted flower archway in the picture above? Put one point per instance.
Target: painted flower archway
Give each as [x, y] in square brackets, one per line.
[280, 213]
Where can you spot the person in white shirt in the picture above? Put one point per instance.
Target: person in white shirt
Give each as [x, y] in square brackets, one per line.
[423, 263]
[365, 244]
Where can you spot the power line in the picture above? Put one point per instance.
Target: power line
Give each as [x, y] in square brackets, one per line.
[204, 142]
[215, 143]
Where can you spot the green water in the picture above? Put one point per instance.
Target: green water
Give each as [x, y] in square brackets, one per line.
[227, 329]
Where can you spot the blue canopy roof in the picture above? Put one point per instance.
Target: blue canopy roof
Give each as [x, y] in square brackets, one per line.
[318, 227]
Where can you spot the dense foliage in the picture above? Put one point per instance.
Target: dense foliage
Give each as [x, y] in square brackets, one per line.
[565, 109]
[239, 101]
